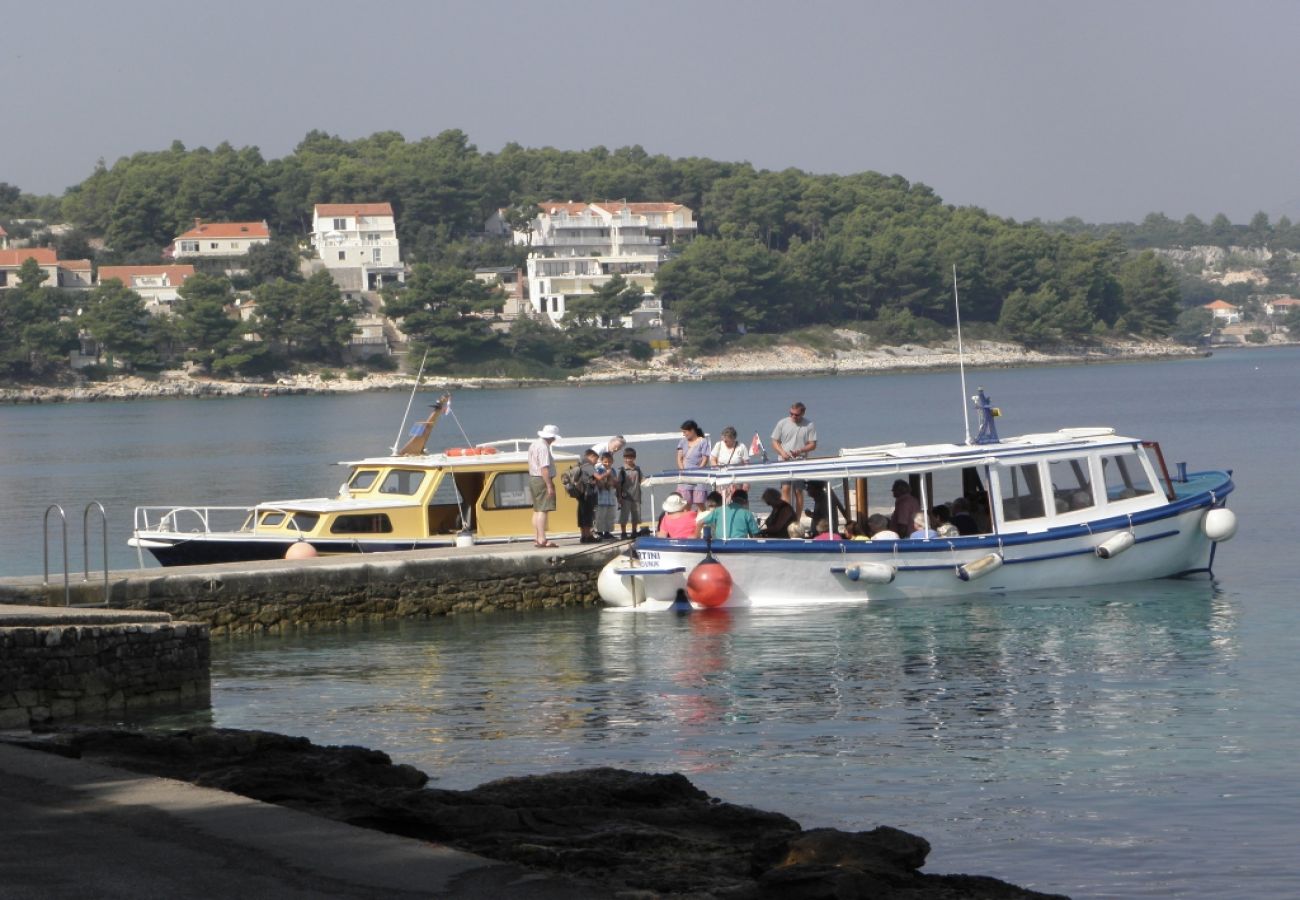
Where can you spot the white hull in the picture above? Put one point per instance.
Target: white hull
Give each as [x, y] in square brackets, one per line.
[781, 573]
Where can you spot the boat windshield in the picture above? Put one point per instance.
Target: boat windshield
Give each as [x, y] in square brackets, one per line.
[402, 481]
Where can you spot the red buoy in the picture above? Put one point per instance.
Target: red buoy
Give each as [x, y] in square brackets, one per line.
[709, 584]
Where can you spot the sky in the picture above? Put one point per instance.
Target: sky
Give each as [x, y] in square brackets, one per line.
[1102, 109]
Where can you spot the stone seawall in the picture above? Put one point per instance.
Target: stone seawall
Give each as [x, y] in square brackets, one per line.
[63, 665]
[278, 595]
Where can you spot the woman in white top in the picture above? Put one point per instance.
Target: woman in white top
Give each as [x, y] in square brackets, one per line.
[729, 451]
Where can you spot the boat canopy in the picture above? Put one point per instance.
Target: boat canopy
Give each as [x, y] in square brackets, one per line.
[887, 459]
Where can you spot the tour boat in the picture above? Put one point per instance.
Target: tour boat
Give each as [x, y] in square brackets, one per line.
[1079, 506]
[409, 500]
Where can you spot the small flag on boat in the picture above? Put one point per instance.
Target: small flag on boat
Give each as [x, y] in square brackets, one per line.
[756, 445]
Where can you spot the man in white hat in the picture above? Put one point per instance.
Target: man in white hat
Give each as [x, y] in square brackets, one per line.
[541, 481]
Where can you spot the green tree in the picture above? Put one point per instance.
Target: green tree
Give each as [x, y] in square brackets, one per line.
[210, 333]
[277, 308]
[722, 286]
[1151, 295]
[267, 262]
[116, 318]
[1193, 326]
[32, 333]
[606, 307]
[444, 311]
[322, 324]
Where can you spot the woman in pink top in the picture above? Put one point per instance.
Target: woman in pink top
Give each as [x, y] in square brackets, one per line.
[678, 521]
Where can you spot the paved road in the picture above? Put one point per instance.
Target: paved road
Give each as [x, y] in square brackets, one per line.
[77, 830]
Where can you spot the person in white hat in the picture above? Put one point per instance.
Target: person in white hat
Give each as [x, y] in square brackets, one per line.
[541, 482]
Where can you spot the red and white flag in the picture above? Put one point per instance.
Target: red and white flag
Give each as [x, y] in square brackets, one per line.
[756, 445]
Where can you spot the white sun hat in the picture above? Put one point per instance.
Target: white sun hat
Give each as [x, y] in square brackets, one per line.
[549, 431]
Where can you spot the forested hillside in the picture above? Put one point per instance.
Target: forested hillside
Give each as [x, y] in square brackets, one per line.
[777, 250]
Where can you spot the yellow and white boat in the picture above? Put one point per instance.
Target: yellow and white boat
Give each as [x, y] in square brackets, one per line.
[409, 500]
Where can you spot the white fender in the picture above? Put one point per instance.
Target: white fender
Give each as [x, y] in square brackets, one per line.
[1220, 524]
[979, 567]
[871, 573]
[615, 589]
[1116, 544]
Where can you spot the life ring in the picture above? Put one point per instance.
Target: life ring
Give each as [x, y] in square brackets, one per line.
[471, 451]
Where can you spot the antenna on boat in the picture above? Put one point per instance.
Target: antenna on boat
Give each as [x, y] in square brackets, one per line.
[961, 355]
[401, 432]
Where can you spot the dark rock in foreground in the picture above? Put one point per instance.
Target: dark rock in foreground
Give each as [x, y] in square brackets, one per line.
[636, 834]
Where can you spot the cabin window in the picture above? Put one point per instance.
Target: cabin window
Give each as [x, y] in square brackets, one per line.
[362, 479]
[1022, 493]
[1071, 484]
[298, 521]
[1125, 476]
[402, 481]
[509, 491]
[368, 523]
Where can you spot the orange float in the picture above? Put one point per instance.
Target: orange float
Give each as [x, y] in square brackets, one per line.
[471, 451]
[709, 584]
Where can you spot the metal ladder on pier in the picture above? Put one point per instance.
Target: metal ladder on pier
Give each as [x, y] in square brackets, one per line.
[85, 548]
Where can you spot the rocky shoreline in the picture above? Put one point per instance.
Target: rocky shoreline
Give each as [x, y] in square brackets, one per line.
[855, 358]
[633, 834]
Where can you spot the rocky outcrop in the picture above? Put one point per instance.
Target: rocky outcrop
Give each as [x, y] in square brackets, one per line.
[634, 834]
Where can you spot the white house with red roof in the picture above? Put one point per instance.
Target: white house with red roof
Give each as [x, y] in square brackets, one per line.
[1280, 306]
[1224, 312]
[72, 274]
[219, 240]
[574, 248]
[158, 286]
[357, 242]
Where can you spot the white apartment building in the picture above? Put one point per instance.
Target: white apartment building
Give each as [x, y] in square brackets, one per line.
[357, 242]
[574, 248]
[219, 240]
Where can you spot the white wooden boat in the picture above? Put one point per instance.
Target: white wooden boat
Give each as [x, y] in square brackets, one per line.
[1080, 506]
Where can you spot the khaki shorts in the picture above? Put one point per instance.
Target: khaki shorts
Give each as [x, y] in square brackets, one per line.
[542, 501]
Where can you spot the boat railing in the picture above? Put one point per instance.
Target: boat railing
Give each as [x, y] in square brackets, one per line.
[192, 519]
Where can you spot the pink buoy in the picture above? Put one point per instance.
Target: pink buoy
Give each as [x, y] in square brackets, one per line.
[709, 584]
[300, 550]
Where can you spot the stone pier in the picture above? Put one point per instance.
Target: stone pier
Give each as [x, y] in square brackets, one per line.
[59, 664]
[278, 595]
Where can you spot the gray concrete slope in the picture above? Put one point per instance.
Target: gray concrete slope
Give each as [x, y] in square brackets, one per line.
[75, 829]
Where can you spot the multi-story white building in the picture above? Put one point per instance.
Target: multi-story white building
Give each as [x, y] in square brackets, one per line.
[357, 242]
[158, 286]
[219, 240]
[574, 248]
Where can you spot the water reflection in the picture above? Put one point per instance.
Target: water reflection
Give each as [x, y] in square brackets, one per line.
[474, 697]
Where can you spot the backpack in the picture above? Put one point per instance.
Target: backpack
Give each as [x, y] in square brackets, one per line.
[575, 483]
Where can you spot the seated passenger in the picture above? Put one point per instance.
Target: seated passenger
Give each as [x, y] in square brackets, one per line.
[921, 528]
[781, 518]
[962, 518]
[822, 531]
[730, 521]
[941, 520]
[678, 521]
[1080, 499]
[878, 528]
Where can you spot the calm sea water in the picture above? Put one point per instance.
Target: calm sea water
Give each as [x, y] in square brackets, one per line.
[1136, 741]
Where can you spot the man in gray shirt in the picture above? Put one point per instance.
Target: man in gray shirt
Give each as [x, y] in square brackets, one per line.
[794, 438]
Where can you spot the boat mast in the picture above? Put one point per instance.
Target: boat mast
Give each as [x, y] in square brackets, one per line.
[961, 356]
[415, 387]
[415, 446]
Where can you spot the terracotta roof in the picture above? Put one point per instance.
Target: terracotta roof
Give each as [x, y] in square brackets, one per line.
[43, 255]
[203, 229]
[83, 264]
[354, 209]
[1286, 301]
[175, 274]
[1219, 304]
